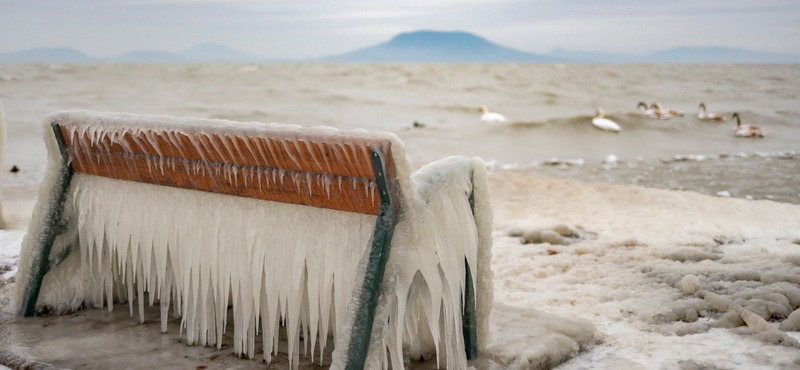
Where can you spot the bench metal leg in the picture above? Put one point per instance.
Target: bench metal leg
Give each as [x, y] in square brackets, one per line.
[41, 261]
[370, 292]
[468, 320]
[376, 266]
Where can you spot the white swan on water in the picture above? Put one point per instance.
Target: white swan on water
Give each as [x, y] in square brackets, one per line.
[659, 112]
[649, 112]
[746, 130]
[490, 116]
[663, 111]
[703, 115]
[603, 123]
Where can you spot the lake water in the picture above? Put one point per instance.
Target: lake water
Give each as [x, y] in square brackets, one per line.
[549, 107]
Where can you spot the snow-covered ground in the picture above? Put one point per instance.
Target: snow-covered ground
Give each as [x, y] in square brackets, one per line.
[10, 242]
[617, 285]
[625, 273]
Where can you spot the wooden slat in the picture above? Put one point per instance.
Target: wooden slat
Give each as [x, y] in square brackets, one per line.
[289, 153]
[220, 178]
[170, 157]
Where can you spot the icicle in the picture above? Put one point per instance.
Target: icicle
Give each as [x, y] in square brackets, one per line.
[139, 279]
[289, 152]
[129, 282]
[166, 294]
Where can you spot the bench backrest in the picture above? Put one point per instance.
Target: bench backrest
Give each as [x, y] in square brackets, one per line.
[331, 169]
[321, 167]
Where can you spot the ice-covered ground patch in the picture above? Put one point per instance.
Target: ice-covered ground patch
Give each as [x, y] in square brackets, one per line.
[526, 338]
[628, 288]
[10, 244]
[672, 280]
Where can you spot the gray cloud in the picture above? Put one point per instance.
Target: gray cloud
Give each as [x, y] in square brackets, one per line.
[311, 28]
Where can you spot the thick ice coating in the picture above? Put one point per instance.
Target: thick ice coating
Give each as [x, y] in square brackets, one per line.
[2, 155]
[421, 308]
[274, 264]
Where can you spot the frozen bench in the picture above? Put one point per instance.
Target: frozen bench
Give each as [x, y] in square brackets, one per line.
[289, 226]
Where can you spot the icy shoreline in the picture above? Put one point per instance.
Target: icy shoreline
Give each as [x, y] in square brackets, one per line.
[627, 279]
[753, 176]
[625, 282]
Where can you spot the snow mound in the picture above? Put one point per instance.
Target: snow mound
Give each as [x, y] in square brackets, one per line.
[668, 272]
[526, 338]
[10, 244]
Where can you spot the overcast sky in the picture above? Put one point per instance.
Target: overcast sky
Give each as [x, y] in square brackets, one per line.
[311, 28]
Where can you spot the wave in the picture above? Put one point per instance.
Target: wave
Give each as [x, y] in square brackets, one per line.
[636, 120]
[573, 120]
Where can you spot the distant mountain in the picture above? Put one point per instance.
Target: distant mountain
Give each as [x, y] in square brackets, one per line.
[568, 56]
[434, 46]
[463, 47]
[716, 54]
[147, 56]
[684, 54]
[202, 53]
[45, 55]
[419, 46]
[217, 53]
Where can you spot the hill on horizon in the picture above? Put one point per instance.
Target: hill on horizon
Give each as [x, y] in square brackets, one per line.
[200, 53]
[464, 47]
[718, 54]
[417, 47]
[209, 52]
[681, 54]
[46, 55]
[437, 47]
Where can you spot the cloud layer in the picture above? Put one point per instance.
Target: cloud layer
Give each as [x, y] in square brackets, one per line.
[313, 28]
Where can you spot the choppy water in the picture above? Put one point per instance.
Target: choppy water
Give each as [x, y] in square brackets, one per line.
[550, 106]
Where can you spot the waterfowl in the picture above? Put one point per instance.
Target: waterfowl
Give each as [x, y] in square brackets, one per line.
[673, 112]
[603, 123]
[703, 115]
[746, 130]
[659, 112]
[649, 112]
[488, 116]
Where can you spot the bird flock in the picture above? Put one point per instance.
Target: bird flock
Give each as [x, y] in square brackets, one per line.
[654, 111]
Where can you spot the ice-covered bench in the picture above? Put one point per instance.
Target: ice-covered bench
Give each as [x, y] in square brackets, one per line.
[314, 229]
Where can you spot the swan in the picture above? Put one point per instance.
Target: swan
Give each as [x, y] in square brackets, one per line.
[604, 124]
[673, 112]
[490, 116]
[659, 112]
[746, 130]
[708, 116]
[649, 112]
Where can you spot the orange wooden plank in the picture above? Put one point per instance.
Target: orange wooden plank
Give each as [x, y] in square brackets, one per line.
[136, 156]
[305, 153]
[296, 187]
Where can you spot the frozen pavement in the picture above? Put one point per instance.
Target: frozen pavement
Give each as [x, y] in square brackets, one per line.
[10, 243]
[629, 274]
[615, 295]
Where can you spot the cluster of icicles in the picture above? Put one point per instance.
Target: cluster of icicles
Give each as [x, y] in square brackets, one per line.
[274, 263]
